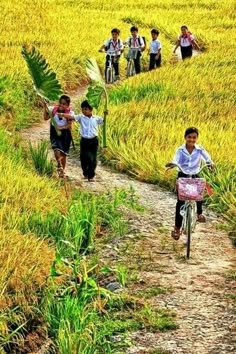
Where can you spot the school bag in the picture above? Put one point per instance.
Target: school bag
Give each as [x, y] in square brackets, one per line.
[139, 42]
[109, 44]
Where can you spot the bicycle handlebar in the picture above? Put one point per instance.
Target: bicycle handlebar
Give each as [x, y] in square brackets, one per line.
[173, 165]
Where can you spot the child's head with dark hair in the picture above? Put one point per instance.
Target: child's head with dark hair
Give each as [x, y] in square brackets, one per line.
[87, 109]
[65, 98]
[154, 33]
[184, 29]
[115, 30]
[191, 130]
[191, 136]
[134, 31]
[64, 103]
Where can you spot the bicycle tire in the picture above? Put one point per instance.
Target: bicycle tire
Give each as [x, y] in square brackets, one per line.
[110, 76]
[188, 229]
[130, 68]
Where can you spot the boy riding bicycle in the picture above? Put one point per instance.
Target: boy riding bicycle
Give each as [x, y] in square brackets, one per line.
[114, 47]
[136, 42]
[189, 156]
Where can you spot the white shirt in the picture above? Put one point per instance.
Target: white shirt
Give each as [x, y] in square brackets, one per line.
[184, 41]
[114, 46]
[155, 45]
[136, 42]
[60, 121]
[191, 163]
[88, 126]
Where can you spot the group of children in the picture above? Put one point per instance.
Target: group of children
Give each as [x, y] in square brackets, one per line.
[114, 47]
[188, 156]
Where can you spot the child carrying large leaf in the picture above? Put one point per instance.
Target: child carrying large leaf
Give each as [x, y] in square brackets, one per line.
[60, 143]
[89, 138]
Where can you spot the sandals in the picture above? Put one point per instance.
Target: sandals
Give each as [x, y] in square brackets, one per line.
[201, 218]
[175, 234]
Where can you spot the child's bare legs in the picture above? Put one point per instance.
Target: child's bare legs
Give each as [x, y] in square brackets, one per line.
[61, 162]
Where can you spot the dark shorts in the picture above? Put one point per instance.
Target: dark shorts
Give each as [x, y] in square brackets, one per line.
[62, 142]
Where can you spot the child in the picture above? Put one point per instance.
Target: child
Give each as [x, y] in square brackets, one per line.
[136, 41]
[155, 50]
[186, 42]
[114, 46]
[189, 156]
[60, 143]
[89, 138]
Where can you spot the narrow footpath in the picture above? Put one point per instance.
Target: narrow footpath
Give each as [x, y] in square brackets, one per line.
[199, 289]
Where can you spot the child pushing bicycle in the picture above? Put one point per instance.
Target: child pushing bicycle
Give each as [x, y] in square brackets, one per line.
[114, 48]
[136, 43]
[189, 156]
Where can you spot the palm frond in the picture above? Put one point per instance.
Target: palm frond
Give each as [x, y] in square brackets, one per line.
[96, 90]
[44, 79]
[94, 71]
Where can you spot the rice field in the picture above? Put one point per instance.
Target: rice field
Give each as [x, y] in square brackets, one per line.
[147, 114]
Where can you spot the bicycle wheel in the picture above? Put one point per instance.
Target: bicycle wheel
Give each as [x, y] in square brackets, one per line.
[188, 228]
[110, 76]
[130, 68]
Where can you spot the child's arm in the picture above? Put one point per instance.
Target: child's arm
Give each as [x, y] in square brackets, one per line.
[102, 49]
[45, 112]
[195, 44]
[69, 117]
[177, 45]
[100, 120]
[67, 126]
[206, 157]
[176, 158]
[158, 54]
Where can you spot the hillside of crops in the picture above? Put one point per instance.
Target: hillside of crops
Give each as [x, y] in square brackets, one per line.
[47, 281]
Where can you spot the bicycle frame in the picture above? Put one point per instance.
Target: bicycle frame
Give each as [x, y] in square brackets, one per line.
[110, 71]
[132, 55]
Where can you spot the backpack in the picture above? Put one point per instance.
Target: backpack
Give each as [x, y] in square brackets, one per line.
[109, 44]
[139, 42]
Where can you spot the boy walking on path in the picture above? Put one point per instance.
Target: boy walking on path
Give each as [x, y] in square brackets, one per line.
[113, 46]
[136, 41]
[155, 50]
[89, 138]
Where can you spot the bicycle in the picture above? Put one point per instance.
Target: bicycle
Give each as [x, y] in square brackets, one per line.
[110, 76]
[190, 190]
[132, 54]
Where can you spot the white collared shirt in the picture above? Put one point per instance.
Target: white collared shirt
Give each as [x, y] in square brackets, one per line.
[60, 121]
[114, 46]
[88, 126]
[136, 42]
[191, 163]
[155, 45]
[184, 41]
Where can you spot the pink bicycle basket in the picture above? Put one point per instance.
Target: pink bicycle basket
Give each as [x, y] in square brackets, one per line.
[191, 188]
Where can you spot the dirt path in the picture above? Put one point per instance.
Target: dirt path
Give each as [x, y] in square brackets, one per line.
[199, 287]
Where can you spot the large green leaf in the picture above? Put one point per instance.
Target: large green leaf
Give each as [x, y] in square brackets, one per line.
[96, 90]
[94, 94]
[94, 71]
[44, 79]
[45, 82]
